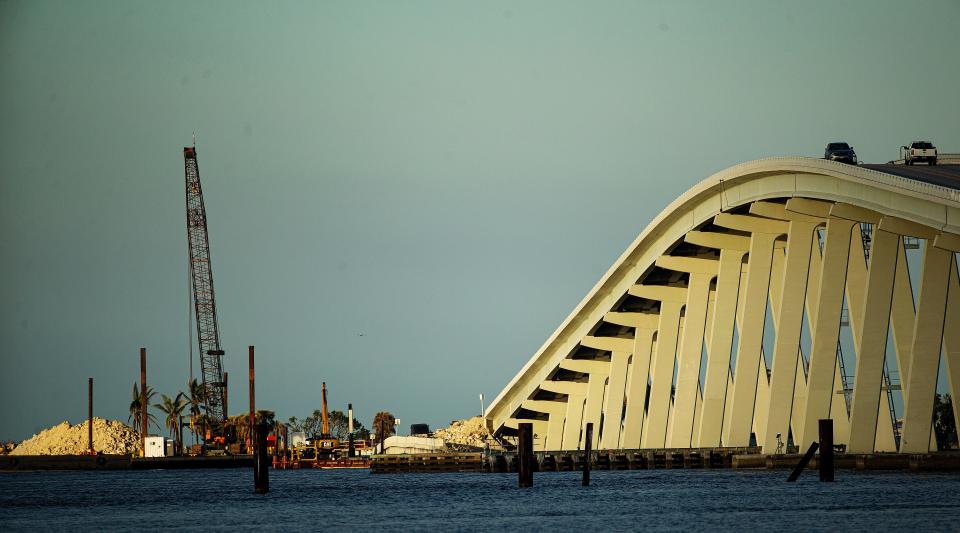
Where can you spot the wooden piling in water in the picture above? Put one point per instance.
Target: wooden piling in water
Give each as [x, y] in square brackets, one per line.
[381, 436]
[586, 461]
[252, 403]
[143, 401]
[525, 451]
[826, 450]
[261, 461]
[803, 462]
[90, 415]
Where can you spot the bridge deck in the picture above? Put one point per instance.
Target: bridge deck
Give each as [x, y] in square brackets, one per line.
[944, 175]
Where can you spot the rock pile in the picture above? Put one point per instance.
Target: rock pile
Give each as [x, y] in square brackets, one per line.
[470, 432]
[109, 437]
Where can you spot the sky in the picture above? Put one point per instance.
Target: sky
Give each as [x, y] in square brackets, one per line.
[404, 199]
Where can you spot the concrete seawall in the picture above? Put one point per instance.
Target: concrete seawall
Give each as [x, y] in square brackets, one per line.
[735, 458]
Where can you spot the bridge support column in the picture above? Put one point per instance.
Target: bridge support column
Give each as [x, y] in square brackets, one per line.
[925, 355]
[785, 354]
[593, 406]
[702, 272]
[825, 331]
[750, 344]
[573, 419]
[551, 433]
[951, 340]
[555, 430]
[720, 338]
[751, 340]
[637, 388]
[873, 341]
[613, 404]
[855, 293]
[655, 433]
[598, 372]
[788, 300]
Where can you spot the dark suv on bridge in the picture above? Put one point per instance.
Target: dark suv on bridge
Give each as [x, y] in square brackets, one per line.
[840, 152]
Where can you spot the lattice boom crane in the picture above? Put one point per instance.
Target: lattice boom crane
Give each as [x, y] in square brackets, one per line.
[204, 303]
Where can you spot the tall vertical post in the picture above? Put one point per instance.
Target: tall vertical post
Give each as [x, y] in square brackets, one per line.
[252, 403]
[90, 415]
[275, 430]
[587, 451]
[324, 426]
[380, 431]
[350, 430]
[525, 450]
[261, 461]
[350, 417]
[826, 449]
[143, 401]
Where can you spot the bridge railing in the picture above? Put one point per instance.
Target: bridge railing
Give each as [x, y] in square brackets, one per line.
[944, 159]
[876, 176]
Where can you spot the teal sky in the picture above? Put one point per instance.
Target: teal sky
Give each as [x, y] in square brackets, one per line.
[447, 178]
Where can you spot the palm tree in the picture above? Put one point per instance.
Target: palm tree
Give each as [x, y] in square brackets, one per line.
[173, 408]
[385, 421]
[197, 392]
[295, 423]
[241, 425]
[265, 417]
[134, 416]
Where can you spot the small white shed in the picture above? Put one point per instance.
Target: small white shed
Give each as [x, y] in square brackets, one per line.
[154, 447]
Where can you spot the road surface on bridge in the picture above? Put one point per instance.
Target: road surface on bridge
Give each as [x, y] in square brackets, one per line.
[944, 175]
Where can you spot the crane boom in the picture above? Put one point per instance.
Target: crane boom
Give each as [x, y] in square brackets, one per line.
[204, 303]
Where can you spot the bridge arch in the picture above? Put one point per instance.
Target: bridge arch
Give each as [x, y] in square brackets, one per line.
[667, 349]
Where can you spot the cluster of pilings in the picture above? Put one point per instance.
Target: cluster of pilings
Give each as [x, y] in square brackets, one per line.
[258, 432]
[525, 462]
[568, 461]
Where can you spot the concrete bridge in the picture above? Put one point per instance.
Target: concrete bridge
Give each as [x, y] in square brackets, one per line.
[770, 295]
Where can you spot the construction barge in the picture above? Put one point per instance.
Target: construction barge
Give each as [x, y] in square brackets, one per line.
[294, 463]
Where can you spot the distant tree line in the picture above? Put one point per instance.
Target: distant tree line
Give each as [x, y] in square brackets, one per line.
[339, 425]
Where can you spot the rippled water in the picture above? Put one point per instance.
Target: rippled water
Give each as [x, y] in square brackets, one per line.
[626, 500]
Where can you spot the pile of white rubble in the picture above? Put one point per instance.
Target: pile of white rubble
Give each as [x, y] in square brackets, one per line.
[471, 432]
[109, 437]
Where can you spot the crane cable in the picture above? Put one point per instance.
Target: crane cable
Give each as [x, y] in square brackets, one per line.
[190, 318]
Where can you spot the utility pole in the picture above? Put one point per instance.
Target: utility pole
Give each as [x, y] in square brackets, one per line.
[252, 404]
[90, 415]
[143, 401]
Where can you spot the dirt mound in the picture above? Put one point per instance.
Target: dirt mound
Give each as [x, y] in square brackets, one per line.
[109, 437]
[471, 432]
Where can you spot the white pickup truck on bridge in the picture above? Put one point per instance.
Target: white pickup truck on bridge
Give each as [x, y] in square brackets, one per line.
[923, 151]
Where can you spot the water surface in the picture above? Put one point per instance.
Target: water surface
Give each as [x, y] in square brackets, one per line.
[354, 500]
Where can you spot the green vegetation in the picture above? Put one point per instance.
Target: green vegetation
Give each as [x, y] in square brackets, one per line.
[385, 423]
[944, 426]
[173, 409]
[134, 416]
[337, 420]
[196, 392]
